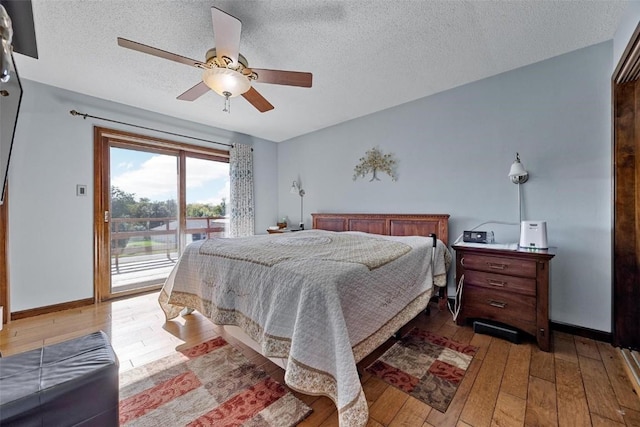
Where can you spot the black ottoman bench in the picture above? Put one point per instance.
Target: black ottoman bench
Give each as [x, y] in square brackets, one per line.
[73, 383]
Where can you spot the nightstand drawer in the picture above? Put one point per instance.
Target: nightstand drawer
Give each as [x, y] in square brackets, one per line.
[501, 265]
[500, 282]
[497, 305]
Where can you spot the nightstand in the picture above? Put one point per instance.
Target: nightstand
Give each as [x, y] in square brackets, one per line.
[282, 230]
[506, 286]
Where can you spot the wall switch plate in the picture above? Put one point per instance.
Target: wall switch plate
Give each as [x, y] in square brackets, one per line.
[81, 190]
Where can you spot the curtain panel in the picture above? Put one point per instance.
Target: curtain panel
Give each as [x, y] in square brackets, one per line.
[241, 178]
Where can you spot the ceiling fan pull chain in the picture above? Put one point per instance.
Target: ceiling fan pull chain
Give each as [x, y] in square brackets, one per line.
[227, 102]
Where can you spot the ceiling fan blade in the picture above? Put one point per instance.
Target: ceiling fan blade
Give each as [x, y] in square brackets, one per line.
[194, 93]
[226, 34]
[280, 77]
[257, 100]
[129, 44]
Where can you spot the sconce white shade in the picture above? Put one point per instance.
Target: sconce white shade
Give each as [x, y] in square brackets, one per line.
[225, 80]
[294, 188]
[517, 173]
[517, 169]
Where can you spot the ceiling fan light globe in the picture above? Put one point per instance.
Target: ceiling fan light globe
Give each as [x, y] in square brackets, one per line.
[222, 80]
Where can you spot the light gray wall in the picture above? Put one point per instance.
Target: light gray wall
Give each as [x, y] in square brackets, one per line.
[454, 150]
[625, 30]
[50, 228]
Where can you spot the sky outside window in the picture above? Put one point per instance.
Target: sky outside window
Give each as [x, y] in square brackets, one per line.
[153, 176]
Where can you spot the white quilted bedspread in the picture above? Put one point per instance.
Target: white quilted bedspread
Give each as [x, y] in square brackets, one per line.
[319, 313]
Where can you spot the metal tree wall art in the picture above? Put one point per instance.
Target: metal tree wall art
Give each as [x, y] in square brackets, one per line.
[375, 161]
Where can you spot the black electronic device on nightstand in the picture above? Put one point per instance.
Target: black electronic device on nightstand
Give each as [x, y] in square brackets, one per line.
[478, 237]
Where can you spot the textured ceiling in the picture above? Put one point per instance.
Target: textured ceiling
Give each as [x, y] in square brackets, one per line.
[365, 56]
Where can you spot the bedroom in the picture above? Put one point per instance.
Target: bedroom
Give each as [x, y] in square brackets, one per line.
[454, 147]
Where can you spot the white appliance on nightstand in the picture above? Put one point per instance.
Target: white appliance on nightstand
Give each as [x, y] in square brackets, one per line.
[533, 235]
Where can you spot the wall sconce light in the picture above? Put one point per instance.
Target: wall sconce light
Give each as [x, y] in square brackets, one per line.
[517, 173]
[297, 189]
[518, 176]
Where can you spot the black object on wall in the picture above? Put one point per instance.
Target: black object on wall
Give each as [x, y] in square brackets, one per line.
[24, 32]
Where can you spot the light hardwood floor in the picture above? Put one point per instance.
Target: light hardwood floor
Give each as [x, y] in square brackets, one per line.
[581, 383]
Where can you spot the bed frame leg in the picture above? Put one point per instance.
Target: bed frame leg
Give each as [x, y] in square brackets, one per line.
[443, 298]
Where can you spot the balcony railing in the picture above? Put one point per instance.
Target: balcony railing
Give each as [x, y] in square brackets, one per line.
[131, 237]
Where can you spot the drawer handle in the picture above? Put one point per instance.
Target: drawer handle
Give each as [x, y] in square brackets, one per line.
[497, 266]
[497, 304]
[496, 282]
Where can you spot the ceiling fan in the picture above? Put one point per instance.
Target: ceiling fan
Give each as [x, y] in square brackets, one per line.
[226, 71]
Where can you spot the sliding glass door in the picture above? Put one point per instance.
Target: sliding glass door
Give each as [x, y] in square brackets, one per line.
[144, 222]
[153, 197]
[206, 195]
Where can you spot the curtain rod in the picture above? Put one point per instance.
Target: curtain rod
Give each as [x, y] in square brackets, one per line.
[84, 116]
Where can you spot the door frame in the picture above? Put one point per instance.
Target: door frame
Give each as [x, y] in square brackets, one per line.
[4, 258]
[625, 92]
[103, 139]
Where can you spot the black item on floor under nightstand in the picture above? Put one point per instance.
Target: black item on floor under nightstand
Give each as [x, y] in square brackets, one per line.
[496, 330]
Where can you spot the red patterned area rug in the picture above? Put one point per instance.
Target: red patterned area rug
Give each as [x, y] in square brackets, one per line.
[211, 384]
[426, 366]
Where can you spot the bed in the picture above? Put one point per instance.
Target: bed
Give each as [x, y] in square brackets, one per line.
[318, 300]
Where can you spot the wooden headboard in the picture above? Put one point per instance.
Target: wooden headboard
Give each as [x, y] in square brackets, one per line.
[386, 224]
